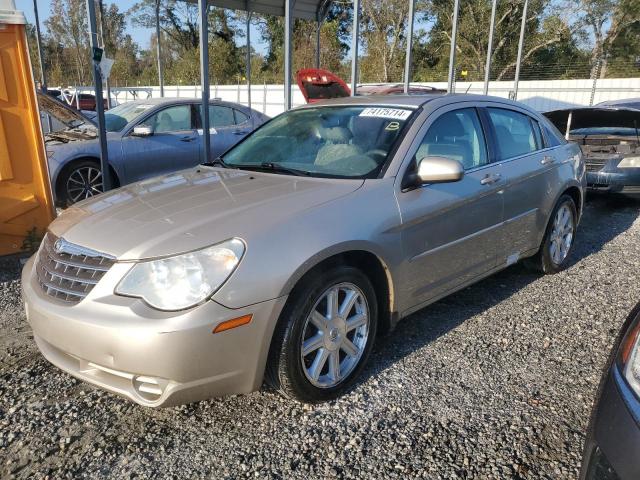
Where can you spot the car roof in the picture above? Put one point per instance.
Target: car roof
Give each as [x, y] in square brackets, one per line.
[417, 100]
[174, 100]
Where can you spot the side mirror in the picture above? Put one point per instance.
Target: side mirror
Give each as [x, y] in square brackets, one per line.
[142, 131]
[438, 170]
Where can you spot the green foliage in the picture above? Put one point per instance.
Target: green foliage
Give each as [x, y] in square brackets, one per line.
[31, 241]
[563, 39]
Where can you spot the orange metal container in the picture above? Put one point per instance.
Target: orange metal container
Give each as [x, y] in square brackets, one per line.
[26, 205]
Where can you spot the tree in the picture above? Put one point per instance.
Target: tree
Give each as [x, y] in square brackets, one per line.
[67, 25]
[607, 21]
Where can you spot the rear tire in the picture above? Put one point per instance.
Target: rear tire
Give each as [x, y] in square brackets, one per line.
[324, 336]
[554, 253]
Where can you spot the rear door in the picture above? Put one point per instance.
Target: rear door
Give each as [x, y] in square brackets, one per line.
[172, 146]
[529, 168]
[451, 231]
[224, 130]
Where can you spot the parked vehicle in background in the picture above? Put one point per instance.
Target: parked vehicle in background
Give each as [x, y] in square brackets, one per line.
[612, 446]
[145, 138]
[317, 85]
[398, 89]
[610, 141]
[622, 103]
[283, 258]
[60, 114]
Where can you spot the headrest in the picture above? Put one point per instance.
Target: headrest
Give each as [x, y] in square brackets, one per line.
[451, 125]
[337, 134]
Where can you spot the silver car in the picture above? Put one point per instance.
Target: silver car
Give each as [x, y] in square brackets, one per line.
[284, 259]
[145, 138]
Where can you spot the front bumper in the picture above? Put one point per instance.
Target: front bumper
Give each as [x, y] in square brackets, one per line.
[153, 358]
[612, 448]
[615, 180]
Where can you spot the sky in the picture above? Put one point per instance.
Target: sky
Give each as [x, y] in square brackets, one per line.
[140, 35]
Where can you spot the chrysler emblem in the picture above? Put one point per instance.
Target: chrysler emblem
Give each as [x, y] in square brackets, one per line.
[62, 246]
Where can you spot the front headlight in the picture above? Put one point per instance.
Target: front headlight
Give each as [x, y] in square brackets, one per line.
[183, 281]
[629, 352]
[629, 162]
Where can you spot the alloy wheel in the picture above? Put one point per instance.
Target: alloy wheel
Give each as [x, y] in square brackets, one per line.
[335, 335]
[84, 182]
[561, 235]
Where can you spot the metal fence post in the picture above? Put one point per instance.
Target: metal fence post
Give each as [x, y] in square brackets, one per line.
[355, 33]
[408, 58]
[595, 82]
[452, 52]
[520, 48]
[487, 68]
[288, 25]
[97, 78]
[159, 50]
[203, 6]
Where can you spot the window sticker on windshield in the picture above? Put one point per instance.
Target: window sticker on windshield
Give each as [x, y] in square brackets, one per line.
[380, 112]
[392, 126]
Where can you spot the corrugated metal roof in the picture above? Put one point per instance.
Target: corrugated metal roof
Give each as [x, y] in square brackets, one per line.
[307, 9]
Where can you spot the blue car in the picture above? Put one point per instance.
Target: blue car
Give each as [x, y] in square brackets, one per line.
[145, 138]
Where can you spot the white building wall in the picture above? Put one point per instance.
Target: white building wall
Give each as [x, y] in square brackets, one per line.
[542, 95]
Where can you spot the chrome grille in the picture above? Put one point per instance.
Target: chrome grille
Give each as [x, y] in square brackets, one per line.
[69, 272]
[594, 164]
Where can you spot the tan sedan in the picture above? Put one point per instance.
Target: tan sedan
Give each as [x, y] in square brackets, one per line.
[283, 259]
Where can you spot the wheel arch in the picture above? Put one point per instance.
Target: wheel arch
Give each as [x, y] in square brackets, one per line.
[369, 262]
[71, 163]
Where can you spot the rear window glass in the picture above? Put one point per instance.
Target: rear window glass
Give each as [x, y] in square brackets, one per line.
[514, 133]
[553, 135]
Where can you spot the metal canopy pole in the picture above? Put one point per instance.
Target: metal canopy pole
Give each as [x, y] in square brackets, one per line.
[107, 84]
[97, 78]
[43, 75]
[318, 26]
[355, 34]
[452, 53]
[288, 11]
[520, 47]
[159, 50]
[203, 7]
[487, 68]
[248, 68]
[409, 58]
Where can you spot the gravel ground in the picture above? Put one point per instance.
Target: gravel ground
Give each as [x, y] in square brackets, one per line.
[495, 381]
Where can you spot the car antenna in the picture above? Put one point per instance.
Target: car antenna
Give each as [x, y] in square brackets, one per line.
[468, 88]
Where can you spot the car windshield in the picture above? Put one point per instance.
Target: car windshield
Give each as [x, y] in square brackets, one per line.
[118, 117]
[606, 131]
[343, 142]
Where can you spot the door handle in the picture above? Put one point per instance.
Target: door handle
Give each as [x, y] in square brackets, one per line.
[546, 160]
[491, 179]
[187, 139]
[240, 132]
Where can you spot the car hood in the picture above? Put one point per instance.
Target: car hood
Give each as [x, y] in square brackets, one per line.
[193, 209]
[593, 117]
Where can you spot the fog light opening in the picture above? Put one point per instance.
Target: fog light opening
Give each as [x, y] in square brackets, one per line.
[149, 388]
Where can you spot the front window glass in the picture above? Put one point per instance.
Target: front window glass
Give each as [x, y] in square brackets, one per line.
[118, 117]
[514, 133]
[457, 135]
[172, 119]
[345, 142]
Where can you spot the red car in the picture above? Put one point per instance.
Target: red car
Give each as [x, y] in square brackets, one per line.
[317, 84]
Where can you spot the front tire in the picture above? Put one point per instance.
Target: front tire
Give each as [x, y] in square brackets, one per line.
[324, 336]
[559, 237]
[80, 181]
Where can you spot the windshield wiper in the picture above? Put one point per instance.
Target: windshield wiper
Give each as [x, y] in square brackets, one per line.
[216, 162]
[272, 167]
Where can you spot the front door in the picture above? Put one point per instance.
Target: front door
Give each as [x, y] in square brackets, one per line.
[172, 146]
[451, 231]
